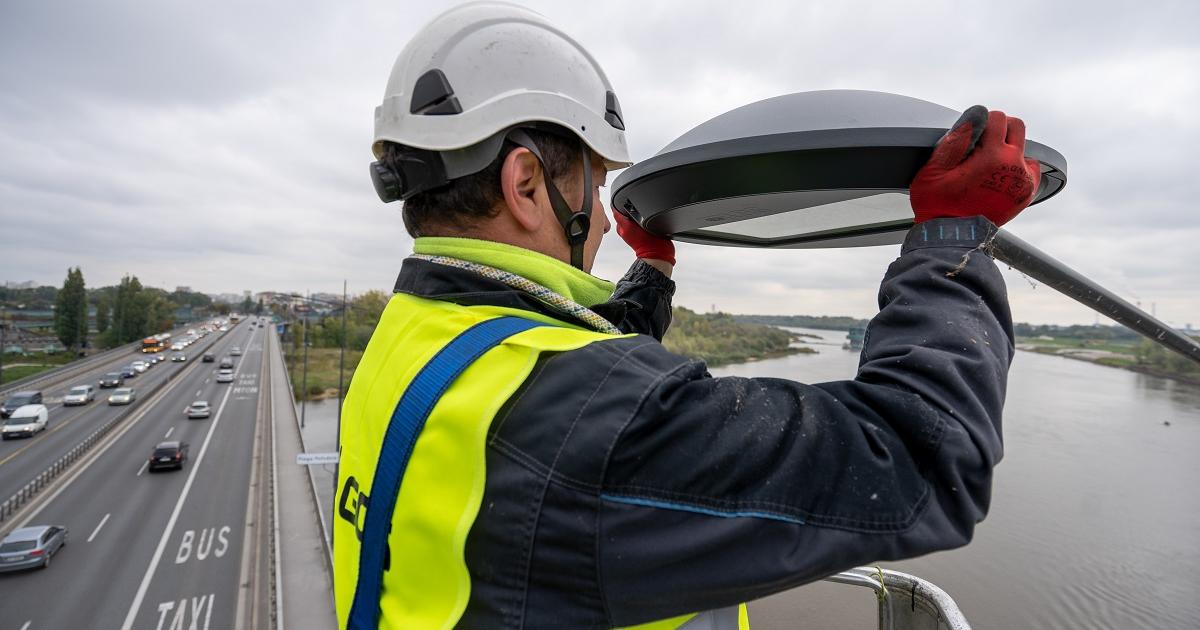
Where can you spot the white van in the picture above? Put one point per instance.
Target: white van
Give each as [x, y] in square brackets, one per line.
[25, 421]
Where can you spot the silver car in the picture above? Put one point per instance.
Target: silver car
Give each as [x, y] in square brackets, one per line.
[122, 396]
[30, 547]
[79, 395]
[198, 409]
[225, 376]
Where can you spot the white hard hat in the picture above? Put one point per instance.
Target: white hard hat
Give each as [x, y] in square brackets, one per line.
[482, 68]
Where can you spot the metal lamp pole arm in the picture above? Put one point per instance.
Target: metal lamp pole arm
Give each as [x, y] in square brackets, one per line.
[1035, 263]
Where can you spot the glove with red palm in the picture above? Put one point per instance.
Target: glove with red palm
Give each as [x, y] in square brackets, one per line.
[977, 168]
[645, 245]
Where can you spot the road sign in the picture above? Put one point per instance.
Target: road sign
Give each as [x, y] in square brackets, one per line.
[316, 459]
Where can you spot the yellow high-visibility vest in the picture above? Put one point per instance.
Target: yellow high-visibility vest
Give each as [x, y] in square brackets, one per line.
[426, 583]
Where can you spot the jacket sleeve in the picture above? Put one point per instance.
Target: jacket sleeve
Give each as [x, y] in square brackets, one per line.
[722, 490]
[641, 302]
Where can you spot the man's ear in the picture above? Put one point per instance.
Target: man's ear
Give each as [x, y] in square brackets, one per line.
[521, 181]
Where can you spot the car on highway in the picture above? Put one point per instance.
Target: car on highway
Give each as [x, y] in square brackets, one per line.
[235, 351]
[122, 396]
[198, 409]
[140, 366]
[112, 379]
[178, 357]
[226, 362]
[168, 455]
[208, 357]
[225, 375]
[30, 547]
[25, 421]
[128, 372]
[79, 395]
[18, 400]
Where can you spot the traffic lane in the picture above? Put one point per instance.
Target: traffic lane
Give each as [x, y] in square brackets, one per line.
[97, 584]
[25, 458]
[105, 365]
[197, 578]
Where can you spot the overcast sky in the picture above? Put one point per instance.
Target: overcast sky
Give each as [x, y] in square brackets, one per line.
[224, 146]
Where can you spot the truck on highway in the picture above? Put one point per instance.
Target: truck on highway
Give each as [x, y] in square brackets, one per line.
[157, 343]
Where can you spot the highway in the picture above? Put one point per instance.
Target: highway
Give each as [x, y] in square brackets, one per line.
[22, 459]
[163, 550]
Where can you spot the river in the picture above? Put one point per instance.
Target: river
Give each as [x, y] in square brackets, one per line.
[1095, 517]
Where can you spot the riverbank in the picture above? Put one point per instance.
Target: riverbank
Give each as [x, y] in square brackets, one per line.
[1143, 357]
[715, 338]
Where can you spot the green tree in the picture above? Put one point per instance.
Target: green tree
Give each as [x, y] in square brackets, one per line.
[70, 311]
[222, 308]
[258, 309]
[102, 308]
[247, 305]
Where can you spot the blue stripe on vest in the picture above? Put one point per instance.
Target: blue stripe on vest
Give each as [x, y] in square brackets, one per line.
[407, 421]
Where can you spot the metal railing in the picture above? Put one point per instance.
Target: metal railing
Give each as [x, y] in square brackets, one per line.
[906, 602]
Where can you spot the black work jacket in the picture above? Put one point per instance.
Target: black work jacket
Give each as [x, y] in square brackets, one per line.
[626, 484]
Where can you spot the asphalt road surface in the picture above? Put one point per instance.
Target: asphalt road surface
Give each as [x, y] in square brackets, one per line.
[149, 550]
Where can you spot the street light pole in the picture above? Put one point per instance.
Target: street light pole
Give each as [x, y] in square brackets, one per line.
[304, 387]
[341, 370]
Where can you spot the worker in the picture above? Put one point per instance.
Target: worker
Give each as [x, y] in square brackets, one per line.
[519, 450]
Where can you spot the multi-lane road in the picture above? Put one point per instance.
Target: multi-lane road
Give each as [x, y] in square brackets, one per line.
[180, 549]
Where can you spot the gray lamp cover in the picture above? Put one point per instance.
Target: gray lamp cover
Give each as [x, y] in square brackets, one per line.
[807, 170]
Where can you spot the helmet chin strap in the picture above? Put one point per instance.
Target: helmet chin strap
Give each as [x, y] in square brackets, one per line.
[576, 225]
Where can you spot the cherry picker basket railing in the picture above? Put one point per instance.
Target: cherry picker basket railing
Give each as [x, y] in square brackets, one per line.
[906, 602]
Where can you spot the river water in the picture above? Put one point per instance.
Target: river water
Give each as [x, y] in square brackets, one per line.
[1095, 516]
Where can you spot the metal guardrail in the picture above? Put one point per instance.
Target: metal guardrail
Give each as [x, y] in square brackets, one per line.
[906, 602]
[63, 463]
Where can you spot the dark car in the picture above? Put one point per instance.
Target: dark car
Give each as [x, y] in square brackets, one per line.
[112, 379]
[128, 372]
[20, 399]
[208, 357]
[168, 455]
[30, 547]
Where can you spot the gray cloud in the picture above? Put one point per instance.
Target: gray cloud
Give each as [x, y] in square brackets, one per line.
[224, 146]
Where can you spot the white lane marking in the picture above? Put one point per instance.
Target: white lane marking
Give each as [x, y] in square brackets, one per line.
[206, 381]
[26, 626]
[97, 530]
[143, 468]
[200, 391]
[131, 616]
[169, 432]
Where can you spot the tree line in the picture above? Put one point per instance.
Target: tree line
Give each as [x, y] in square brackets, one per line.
[124, 313]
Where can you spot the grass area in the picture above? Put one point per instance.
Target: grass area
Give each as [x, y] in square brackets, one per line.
[322, 371]
[1049, 346]
[21, 371]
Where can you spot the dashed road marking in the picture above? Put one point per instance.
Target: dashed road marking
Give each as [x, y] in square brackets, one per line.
[97, 530]
[169, 432]
[143, 468]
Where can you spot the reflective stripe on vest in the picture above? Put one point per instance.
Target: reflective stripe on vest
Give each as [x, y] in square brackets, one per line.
[425, 582]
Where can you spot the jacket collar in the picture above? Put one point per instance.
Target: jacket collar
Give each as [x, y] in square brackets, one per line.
[565, 280]
[440, 282]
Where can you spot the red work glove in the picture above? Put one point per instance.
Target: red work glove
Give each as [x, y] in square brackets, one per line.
[645, 245]
[963, 179]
